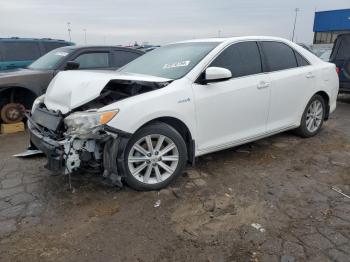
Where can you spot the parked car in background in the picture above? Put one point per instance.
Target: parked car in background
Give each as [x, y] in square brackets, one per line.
[20, 52]
[142, 124]
[325, 55]
[147, 48]
[321, 49]
[341, 58]
[20, 87]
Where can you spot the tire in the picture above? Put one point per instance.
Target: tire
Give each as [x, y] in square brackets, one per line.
[312, 121]
[12, 113]
[157, 170]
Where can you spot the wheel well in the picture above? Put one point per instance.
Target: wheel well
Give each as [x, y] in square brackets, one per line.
[183, 131]
[17, 95]
[326, 100]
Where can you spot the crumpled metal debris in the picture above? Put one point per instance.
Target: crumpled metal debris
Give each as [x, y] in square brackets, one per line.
[338, 190]
[29, 152]
[258, 227]
[157, 203]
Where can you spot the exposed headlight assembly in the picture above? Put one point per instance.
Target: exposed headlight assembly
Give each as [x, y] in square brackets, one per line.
[85, 122]
[37, 101]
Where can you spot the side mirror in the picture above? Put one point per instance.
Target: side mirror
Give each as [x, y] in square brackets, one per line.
[213, 74]
[71, 65]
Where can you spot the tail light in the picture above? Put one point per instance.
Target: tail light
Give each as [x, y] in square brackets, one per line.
[337, 69]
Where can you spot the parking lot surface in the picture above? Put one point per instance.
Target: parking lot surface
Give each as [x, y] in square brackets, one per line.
[271, 200]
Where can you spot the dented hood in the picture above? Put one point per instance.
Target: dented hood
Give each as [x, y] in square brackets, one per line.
[71, 89]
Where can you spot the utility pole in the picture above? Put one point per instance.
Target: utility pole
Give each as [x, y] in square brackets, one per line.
[219, 33]
[69, 30]
[296, 10]
[84, 36]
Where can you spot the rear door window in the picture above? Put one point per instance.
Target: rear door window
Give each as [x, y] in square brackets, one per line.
[278, 56]
[121, 58]
[93, 60]
[20, 50]
[344, 49]
[241, 59]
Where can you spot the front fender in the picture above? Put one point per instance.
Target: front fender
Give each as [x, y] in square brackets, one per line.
[175, 100]
[132, 128]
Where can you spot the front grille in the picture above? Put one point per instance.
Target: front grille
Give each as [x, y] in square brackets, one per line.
[49, 120]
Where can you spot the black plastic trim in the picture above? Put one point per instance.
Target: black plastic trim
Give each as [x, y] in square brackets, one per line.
[118, 131]
[52, 149]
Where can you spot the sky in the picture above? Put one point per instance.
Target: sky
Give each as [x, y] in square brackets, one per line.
[123, 22]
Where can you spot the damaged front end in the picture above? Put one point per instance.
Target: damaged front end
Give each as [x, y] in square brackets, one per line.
[81, 138]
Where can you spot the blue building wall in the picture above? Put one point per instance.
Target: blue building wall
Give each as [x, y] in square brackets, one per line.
[335, 20]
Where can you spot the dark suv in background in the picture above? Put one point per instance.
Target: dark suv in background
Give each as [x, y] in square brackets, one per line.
[20, 52]
[340, 56]
[20, 87]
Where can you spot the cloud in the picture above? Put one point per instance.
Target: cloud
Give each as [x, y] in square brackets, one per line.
[158, 21]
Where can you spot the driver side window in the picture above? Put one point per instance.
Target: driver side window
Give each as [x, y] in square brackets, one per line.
[241, 59]
[93, 60]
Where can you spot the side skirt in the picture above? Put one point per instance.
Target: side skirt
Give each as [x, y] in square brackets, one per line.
[243, 141]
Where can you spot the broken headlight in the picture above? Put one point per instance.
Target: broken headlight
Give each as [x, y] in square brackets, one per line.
[84, 122]
[37, 101]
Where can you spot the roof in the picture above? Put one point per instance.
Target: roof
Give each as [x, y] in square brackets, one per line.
[332, 20]
[32, 39]
[235, 38]
[74, 47]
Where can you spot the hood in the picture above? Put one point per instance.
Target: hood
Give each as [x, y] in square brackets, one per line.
[21, 77]
[71, 89]
[19, 72]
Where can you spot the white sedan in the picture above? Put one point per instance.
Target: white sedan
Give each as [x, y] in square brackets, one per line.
[143, 124]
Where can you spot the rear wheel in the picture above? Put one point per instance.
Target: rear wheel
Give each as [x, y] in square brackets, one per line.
[12, 113]
[154, 157]
[313, 116]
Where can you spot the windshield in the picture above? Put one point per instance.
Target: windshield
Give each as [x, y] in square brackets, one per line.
[170, 61]
[51, 59]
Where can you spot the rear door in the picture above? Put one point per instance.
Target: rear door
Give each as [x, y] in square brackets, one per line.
[20, 53]
[236, 109]
[292, 80]
[341, 58]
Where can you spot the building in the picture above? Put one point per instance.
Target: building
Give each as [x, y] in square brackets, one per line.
[329, 24]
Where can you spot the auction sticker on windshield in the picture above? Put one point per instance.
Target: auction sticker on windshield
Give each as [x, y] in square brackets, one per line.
[177, 64]
[61, 53]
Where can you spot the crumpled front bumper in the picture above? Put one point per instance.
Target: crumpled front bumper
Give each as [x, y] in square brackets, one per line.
[71, 153]
[53, 150]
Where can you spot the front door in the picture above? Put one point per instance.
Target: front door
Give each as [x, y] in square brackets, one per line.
[234, 110]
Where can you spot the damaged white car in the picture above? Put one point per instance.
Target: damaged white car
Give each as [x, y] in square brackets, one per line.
[143, 124]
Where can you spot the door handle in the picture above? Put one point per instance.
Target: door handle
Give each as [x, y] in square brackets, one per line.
[310, 75]
[263, 85]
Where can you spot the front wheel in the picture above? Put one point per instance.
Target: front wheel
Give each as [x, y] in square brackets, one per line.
[154, 157]
[12, 113]
[313, 116]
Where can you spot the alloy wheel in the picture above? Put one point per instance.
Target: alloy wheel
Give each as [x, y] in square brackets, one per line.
[153, 159]
[314, 116]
